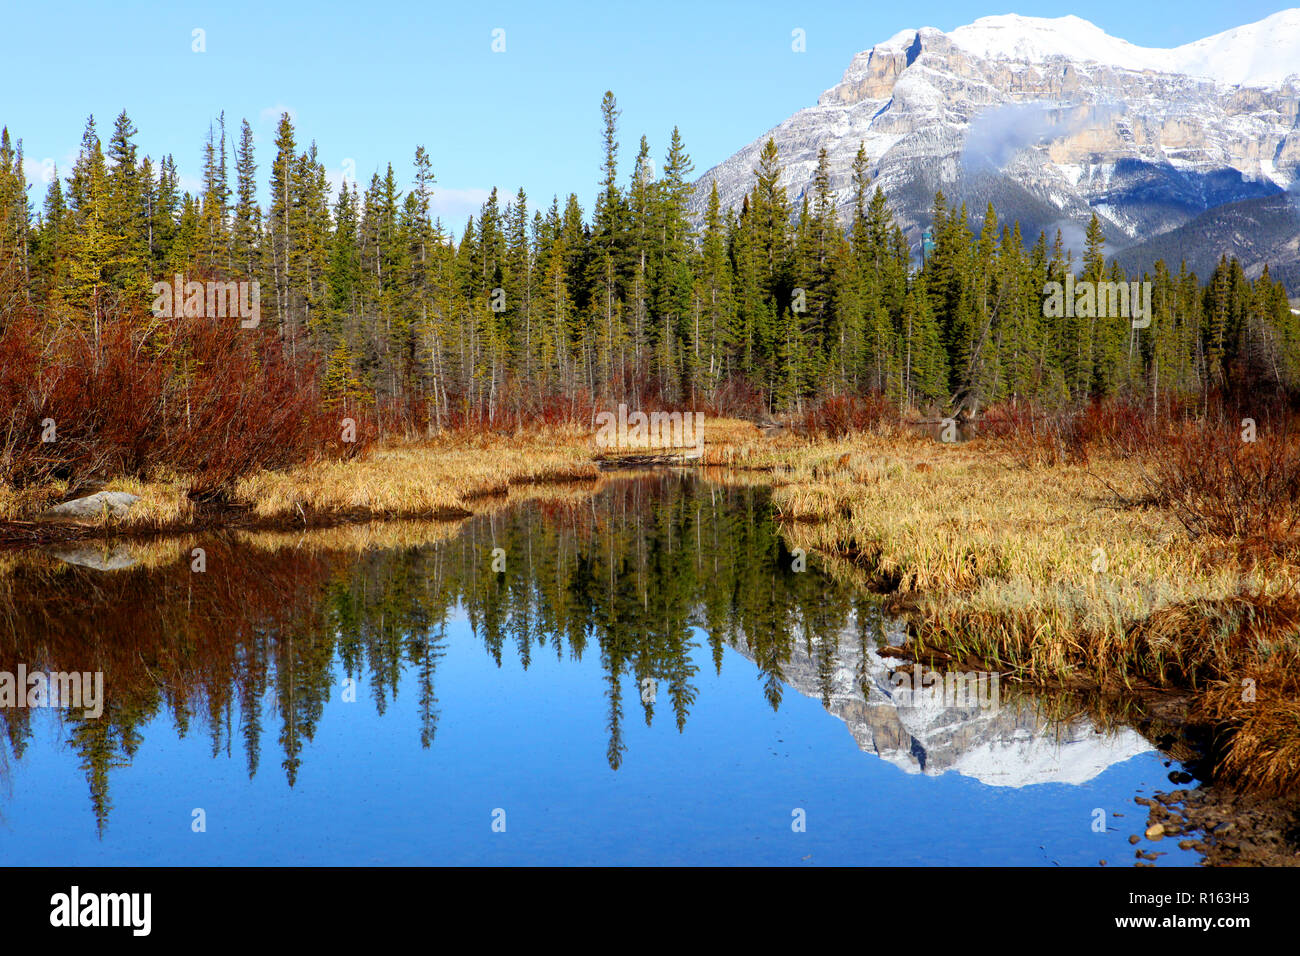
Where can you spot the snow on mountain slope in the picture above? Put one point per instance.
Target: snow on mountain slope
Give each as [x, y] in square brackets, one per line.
[1051, 120]
[1010, 745]
[1258, 54]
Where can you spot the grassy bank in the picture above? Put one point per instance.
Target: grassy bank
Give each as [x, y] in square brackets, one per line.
[446, 477]
[1064, 574]
[441, 479]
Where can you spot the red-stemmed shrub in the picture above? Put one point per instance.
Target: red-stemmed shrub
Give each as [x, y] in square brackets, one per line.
[838, 416]
[206, 399]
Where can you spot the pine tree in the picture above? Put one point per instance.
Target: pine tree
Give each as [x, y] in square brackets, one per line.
[629, 303]
[125, 209]
[164, 216]
[279, 248]
[215, 258]
[50, 255]
[721, 334]
[246, 227]
[15, 218]
[91, 244]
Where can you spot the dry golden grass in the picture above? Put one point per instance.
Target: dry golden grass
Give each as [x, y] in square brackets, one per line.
[1044, 572]
[957, 521]
[1263, 752]
[17, 504]
[440, 479]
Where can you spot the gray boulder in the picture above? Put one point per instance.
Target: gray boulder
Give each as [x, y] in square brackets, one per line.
[116, 503]
[101, 559]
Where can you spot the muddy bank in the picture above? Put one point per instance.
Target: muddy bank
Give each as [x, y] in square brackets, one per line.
[1226, 826]
[1230, 829]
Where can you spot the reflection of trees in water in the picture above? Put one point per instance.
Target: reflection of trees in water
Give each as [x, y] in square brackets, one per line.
[633, 571]
[170, 641]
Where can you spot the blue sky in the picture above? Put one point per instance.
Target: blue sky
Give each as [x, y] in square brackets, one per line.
[371, 81]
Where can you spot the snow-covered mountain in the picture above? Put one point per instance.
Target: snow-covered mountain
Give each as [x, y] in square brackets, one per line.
[1259, 54]
[1005, 746]
[1052, 120]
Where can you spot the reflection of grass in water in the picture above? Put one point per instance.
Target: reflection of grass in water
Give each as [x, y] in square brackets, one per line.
[1159, 719]
[156, 552]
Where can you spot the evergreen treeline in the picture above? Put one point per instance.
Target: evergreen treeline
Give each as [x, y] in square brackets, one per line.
[777, 302]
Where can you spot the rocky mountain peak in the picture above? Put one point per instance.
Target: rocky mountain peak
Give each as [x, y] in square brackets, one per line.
[1054, 120]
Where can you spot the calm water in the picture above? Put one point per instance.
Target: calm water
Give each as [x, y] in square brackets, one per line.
[648, 681]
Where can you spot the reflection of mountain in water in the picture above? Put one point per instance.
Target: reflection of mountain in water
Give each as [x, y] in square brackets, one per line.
[1011, 745]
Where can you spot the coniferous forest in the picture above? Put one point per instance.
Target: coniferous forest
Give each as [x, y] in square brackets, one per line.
[539, 309]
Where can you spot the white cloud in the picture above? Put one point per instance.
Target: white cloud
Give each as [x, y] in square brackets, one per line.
[456, 205]
[40, 171]
[272, 114]
[453, 206]
[337, 174]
